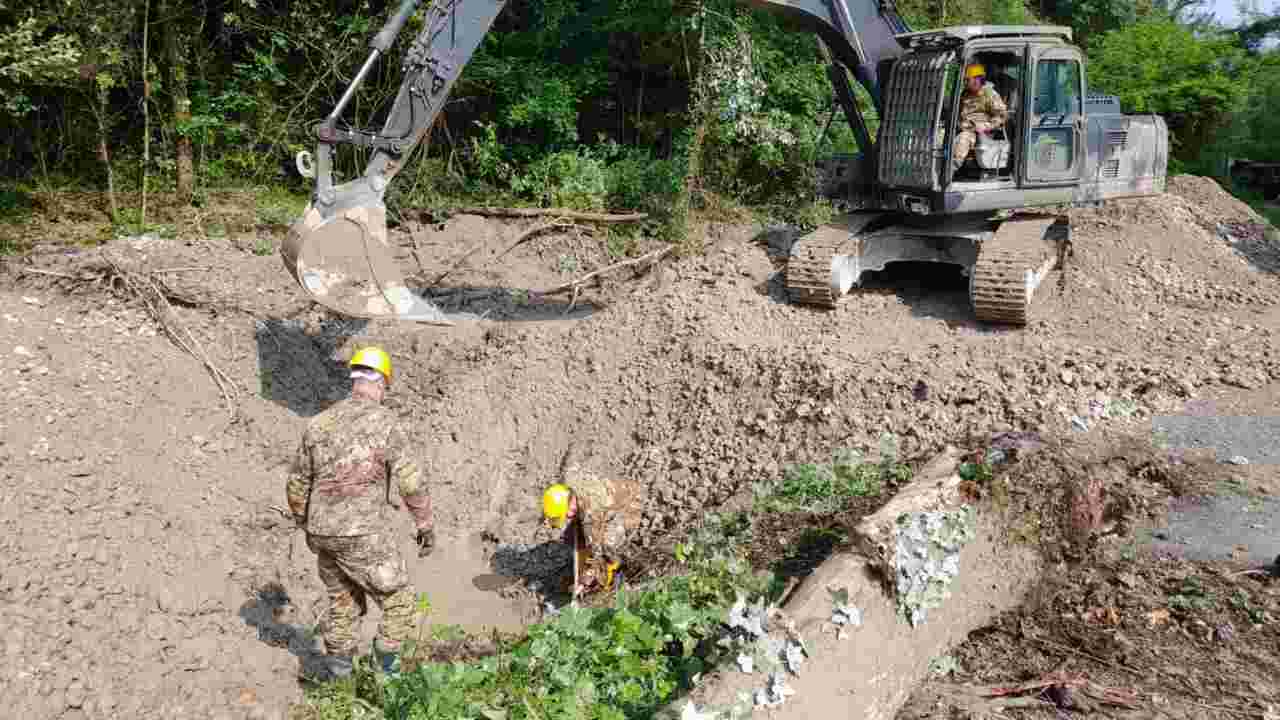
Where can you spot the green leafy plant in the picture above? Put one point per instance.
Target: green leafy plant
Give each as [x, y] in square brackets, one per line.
[829, 487]
[613, 663]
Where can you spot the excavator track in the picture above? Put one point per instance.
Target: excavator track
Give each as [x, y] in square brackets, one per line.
[1012, 265]
[815, 273]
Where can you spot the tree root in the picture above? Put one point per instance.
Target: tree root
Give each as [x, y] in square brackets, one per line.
[162, 311]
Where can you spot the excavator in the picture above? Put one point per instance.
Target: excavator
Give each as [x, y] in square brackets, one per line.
[996, 214]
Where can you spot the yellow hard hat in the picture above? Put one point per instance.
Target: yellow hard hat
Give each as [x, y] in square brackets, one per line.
[555, 504]
[373, 358]
[975, 70]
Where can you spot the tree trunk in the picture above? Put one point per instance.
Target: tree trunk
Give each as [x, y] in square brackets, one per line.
[104, 154]
[175, 53]
[146, 111]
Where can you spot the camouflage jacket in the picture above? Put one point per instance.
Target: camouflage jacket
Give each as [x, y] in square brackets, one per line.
[609, 510]
[341, 479]
[982, 106]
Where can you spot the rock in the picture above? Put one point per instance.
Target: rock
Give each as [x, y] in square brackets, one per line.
[1238, 460]
[915, 539]
[75, 696]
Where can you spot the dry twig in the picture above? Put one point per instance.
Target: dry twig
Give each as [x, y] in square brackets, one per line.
[532, 233]
[557, 212]
[156, 301]
[525, 237]
[575, 284]
[55, 273]
[1082, 653]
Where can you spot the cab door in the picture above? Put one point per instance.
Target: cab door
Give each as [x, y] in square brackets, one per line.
[1055, 126]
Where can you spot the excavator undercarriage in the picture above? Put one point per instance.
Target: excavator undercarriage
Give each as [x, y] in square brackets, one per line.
[1006, 260]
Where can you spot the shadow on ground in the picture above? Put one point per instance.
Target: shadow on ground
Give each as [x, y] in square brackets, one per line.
[505, 304]
[269, 612]
[545, 568]
[298, 369]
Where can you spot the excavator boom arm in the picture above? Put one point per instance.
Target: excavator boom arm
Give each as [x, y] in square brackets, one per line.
[338, 251]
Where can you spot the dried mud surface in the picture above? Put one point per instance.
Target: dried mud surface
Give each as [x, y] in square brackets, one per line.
[150, 570]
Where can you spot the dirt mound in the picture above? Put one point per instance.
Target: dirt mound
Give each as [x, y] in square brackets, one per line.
[1204, 237]
[1140, 636]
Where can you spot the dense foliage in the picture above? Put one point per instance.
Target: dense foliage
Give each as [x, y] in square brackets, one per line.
[620, 104]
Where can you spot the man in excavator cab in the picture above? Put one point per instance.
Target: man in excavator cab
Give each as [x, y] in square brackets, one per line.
[981, 111]
[597, 515]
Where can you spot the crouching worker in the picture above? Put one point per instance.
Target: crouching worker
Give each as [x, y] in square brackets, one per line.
[598, 515]
[339, 492]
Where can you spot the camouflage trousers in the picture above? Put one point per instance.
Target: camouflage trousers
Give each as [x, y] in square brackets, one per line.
[965, 141]
[355, 569]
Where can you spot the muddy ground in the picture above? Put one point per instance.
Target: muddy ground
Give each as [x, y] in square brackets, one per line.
[143, 447]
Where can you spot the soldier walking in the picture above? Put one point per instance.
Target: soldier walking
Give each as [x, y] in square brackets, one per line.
[339, 492]
[598, 515]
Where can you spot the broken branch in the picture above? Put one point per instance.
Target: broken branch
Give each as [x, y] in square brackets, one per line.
[532, 233]
[165, 316]
[557, 212]
[54, 273]
[573, 284]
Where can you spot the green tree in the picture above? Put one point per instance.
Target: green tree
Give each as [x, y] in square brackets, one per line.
[1159, 66]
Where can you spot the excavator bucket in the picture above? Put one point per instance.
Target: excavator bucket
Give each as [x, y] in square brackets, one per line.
[345, 263]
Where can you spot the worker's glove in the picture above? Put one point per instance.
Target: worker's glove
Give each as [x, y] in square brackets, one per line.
[426, 540]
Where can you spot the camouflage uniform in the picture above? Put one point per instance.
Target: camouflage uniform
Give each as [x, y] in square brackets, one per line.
[608, 511]
[984, 106]
[339, 491]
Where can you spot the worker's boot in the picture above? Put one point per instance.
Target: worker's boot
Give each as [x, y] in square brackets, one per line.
[330, 667]
[387, 658]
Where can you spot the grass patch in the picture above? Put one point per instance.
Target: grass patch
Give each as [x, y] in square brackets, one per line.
[831, 487]
[277, 206]
[15, 205]
[128, 221]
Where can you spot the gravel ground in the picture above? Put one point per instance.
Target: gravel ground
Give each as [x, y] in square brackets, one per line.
[1239, 440]
[1231, 527]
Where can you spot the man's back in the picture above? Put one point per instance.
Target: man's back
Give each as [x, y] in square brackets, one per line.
[347, 451]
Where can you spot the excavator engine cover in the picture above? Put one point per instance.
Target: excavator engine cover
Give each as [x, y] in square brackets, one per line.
[344, 263]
